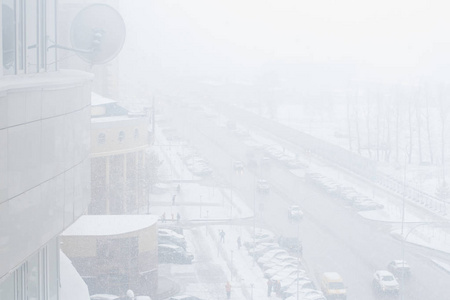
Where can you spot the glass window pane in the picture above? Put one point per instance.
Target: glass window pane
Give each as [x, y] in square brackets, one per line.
[31, 35]
[53, 269]
[33, 278]
[7, 288]
[8, 37]
[20, 36]
[50, 29]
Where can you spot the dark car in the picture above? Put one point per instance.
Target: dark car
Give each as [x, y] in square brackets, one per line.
[174, 254]
[238, 166]
[399, 268]
[167, 236]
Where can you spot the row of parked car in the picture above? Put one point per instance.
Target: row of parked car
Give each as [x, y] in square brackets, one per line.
[196, 164]
[172, 247]
[347, 194]
[279, 154]
[281, 265]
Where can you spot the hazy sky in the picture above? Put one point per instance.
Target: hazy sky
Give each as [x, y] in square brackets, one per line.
[391, 40]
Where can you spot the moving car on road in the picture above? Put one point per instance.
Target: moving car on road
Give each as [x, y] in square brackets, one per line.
[332, 286]
[385, 282]
[238, 166]
[263, 186]
[295, 213]
[399, 268]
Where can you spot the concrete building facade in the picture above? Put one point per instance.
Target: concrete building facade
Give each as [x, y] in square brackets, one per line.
[44, 150]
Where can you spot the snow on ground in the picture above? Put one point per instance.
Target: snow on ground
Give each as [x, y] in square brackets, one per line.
[203, 203]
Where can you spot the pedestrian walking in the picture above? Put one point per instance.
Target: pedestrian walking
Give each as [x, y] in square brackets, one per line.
[228, 289]
[178, 188]
[222, 235]
[269, 287]
[178, 217]
[163, 217]
[173, 199]
[239, 242]
[277, 287]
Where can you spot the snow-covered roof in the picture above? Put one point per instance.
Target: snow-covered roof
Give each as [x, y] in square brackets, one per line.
[101, 225]
[96, 100]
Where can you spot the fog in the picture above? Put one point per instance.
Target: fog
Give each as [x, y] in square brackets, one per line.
[234, 149]
[236, 41]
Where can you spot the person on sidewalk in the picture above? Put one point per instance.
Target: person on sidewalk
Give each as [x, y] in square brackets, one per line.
[163, 217]
[269, 287]
[222, 235]
[178, 218]
[277, 287]
[173, 199]
[178, 188]
[228, 289]
[239, 242]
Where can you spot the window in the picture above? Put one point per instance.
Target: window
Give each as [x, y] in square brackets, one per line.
[8, 37]
[121, 136]
[28, 36]
[101, 138]
[37, 278]
[32, 28]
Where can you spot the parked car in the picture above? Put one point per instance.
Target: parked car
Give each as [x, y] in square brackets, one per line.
[184, 297]
[278, 263]
[278, 268]
[289, 273]
[167, 236]
[385, 282]
[292, 244]
[114, 297]
[399, 268]
[260, 249]
[295, 213]
[300, 285]
[168, 253]
[332, 286]
[271, 255]
[308, 294]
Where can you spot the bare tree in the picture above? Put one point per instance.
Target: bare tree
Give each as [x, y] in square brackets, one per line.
[419, 123]
[427, 119]
[410, 125]
[368, 125]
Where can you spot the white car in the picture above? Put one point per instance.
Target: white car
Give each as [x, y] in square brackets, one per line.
[114, 297]
[385, 282]
[263, 186]
[295, 213]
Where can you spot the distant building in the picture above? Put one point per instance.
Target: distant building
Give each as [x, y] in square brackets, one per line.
[119, 140]
[44, 151]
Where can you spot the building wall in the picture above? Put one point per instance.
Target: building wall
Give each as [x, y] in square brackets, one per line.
[114, 263]
[44, 161]
[118, 164]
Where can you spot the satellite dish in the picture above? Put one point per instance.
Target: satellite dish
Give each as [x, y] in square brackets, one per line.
[97, 33]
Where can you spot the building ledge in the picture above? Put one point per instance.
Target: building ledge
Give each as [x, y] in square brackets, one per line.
[43, 81]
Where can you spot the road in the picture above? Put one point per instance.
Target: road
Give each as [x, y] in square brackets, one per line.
[334, 237]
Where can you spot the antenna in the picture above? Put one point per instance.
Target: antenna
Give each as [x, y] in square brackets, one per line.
[97, 34]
